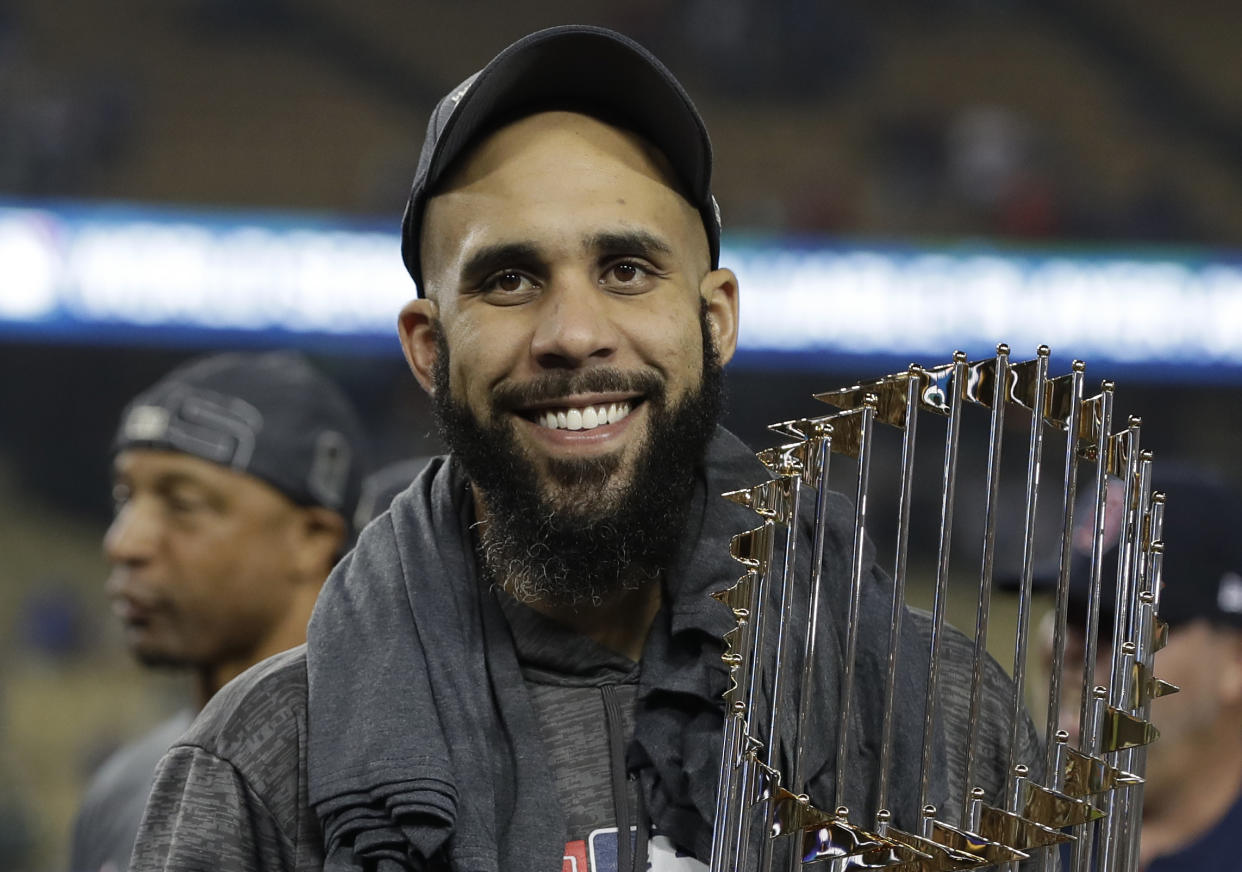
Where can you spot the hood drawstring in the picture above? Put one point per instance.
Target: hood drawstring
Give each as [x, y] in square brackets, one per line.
[628, 860]
[644, 833]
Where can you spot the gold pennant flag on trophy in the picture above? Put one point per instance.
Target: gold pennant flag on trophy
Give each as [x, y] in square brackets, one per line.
[1085, 775]
[974, 844]
[738, 597]
[890, 397]
[941, 858]
[825, 836]
[1120, 731]
[772, 499]
[1015, 831]
[1054, 809]
[785, 460]
[753, 548]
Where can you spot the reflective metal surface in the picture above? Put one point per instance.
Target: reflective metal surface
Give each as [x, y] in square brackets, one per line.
[1085, 788]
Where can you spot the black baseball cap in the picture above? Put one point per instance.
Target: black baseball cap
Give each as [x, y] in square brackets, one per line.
[581, 68]
[271, 415]
[1202, 566]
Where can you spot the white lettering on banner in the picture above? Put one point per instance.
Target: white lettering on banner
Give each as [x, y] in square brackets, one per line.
[123, 266]
[30, 268]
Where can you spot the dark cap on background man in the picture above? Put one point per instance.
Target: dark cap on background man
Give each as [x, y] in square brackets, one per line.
[271, 415]
[1202, 566]
[628, 87]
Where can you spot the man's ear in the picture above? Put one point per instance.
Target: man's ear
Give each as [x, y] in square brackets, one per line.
[1229, 667]
[321, 542]
[417, 325]
[719, 290]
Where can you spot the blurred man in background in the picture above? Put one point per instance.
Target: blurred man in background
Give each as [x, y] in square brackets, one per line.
[234, 479]
[1192, 801]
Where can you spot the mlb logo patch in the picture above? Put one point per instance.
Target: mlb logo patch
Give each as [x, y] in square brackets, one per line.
[575, 859]
[598, 853]
[603, 850]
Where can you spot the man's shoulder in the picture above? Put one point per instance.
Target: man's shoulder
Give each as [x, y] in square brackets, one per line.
[131, 766]
[112, 805]
[259, 718]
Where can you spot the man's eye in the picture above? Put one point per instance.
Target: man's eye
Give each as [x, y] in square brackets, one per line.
[626, 272]
[507, 282]
[120, 495]
[628, 276]
[184, 504]
[180, 506]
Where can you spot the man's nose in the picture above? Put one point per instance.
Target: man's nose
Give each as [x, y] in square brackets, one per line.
[132, 536]
[575, 328]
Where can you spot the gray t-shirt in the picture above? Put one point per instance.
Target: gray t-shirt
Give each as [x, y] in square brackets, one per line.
[572, 682]
[107, 822]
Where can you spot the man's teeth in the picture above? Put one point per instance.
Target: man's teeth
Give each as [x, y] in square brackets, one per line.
[587, 418]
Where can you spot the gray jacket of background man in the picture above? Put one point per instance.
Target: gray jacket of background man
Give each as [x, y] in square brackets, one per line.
[107, 823]
[253, 783]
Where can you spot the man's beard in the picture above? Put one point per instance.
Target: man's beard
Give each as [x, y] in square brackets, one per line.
[584, 536]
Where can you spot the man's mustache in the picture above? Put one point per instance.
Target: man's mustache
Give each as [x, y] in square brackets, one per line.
[555, 385]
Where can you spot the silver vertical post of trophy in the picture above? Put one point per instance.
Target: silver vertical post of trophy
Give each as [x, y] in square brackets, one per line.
[1088, 722]
[991, 511]
[940, 597]
[914, 382]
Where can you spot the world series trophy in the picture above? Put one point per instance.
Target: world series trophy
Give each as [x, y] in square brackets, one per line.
[1087, 789]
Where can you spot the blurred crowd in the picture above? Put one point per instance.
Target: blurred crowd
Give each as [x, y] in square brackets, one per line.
[60, 129]
[1017, 158]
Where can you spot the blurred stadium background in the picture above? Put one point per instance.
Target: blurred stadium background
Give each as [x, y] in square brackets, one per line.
[894, 174]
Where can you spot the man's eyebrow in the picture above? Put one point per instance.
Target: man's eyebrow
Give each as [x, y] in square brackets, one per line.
[178, 483]
[490, 258]
[638, 242]
[179, 479]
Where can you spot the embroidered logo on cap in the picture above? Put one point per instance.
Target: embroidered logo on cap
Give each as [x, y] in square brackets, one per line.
[455, 97]
[198, 421]
[146, 423]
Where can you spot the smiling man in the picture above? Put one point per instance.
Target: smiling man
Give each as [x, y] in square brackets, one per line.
[233, 477]
[572, 343]
[519, 666]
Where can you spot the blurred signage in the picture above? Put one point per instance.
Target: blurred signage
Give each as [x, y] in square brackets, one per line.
[120, 273]
[123, 273]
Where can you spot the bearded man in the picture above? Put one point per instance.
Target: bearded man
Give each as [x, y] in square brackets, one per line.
[519, 666]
